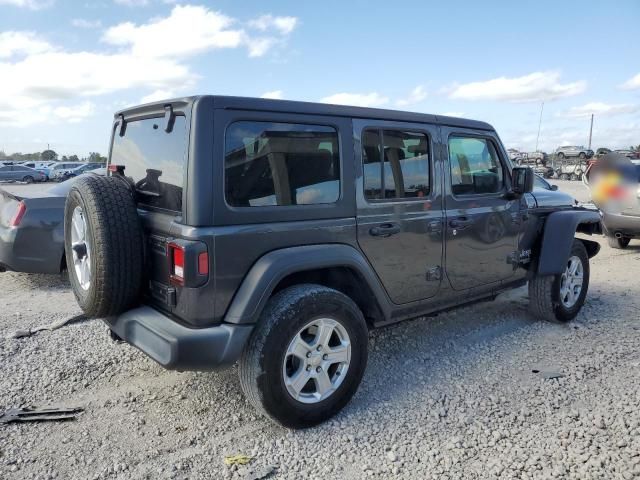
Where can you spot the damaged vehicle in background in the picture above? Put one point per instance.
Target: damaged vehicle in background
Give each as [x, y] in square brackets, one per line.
[32, 229]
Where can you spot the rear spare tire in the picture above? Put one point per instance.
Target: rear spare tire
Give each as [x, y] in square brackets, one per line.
[103, 245]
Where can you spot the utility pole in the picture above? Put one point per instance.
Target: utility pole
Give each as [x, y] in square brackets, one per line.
[590, 131]
[539, 125]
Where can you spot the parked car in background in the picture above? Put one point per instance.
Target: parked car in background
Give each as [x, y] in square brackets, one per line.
[601, 152]
[570, 151]
[20, 173]
[620, 222]
[42, 167]
[57, 171]
[570, 168]
[628, 153]
[514, 154]
[538, 165]
[32, 230]
[74, 172]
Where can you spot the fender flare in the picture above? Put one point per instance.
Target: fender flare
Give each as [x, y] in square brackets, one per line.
[271, 268]
[559, 231]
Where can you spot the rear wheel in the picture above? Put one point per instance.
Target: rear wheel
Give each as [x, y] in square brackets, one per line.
[306, 357]
[28, 179]
[560, 297]
[574, 177]
[560, 155]
[618, 243]
[582, 155]
[564, 176]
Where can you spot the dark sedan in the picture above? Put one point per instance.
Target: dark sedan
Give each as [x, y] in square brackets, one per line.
[32, 230]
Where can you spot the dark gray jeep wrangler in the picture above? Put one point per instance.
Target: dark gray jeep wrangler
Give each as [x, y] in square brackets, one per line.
[276, 234]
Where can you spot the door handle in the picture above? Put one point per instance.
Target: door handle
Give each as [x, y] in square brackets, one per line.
[460, 222]
[385, 230]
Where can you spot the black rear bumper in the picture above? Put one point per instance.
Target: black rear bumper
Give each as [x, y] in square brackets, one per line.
[177, 347]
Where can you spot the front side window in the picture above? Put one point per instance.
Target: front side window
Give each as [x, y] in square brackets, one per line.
[269, 164]
[153, 159]
[401, 171]
[475, 166]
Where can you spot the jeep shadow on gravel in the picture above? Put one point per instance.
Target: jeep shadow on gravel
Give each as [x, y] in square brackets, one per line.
[276, 234]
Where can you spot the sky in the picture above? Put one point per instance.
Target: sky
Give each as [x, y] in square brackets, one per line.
[66, 66]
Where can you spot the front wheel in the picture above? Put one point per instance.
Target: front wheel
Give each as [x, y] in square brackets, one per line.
[306, 357]
[564, 176]
[560, 297]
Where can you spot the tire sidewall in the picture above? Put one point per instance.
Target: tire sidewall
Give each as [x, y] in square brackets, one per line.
[564, 314]
[74, 200]
[282, 406]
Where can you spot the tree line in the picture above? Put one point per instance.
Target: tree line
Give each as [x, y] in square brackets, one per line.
[51, 156]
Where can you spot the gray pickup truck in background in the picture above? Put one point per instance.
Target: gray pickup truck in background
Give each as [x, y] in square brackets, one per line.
[276, 234]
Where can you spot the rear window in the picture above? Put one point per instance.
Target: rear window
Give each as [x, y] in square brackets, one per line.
[281, 164]
[154, 160]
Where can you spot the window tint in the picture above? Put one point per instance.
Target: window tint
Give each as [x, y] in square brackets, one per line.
[281, 164]
[404, 173]
[154, 160]
[19, 168]
[475, 166]
[5, 169]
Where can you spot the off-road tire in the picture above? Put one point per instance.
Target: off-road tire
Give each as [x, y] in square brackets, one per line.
[115, 235]
[28, 179]
[544, 291]
[618, 243]
[261, 362]
[560, 155]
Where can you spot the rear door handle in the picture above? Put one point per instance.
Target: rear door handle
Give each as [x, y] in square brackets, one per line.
[385, 230]
[460, 222]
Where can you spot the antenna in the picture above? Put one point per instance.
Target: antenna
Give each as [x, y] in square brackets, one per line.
[539, 125]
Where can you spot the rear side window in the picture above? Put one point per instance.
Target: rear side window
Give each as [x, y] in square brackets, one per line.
[475, 166]
[281, 164]
[154, 160]
[396, 164]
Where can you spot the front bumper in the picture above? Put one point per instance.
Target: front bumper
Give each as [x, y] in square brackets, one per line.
[177, 347]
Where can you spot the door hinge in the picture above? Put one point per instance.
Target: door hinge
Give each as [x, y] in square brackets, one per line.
[434, 274]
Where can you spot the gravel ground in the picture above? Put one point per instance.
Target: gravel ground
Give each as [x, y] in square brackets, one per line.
[454, 396]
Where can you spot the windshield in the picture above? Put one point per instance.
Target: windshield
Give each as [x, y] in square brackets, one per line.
[154, 160]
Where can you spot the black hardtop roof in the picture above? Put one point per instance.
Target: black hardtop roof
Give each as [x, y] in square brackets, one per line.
[313, 108]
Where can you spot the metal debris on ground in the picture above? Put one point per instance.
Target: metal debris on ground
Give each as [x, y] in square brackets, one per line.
[236, 460]
[549, 374]
[51, 326]
[42, 414]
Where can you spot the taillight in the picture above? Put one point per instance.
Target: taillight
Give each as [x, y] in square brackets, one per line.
[17, 217]
[176, 263]
[203, 263]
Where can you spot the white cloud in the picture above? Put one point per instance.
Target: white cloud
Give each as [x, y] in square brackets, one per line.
[536, 86]
[600, 110]
[632, 84]
[30, 4]
[75, 113]
[132, 3]
[39, 80]
[285, 25]
[417, 95]
[275, 94]
[84, 23]
[21, 43]
[194, 29]
[158, 95]
[373, 99]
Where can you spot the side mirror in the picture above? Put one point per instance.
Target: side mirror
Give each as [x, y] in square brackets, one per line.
[554, 187]
[522, 180]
